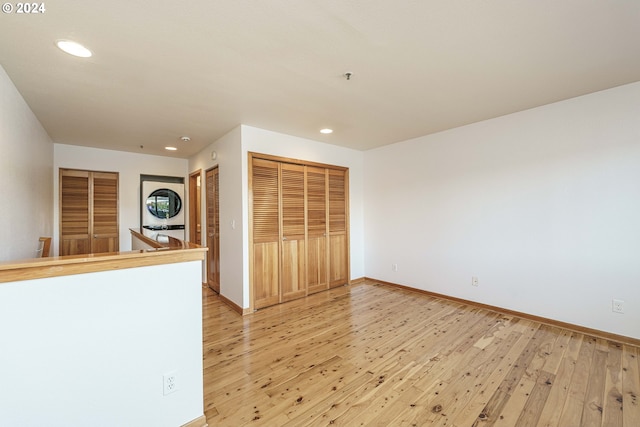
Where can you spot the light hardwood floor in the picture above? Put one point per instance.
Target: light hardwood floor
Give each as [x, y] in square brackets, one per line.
[374, 355]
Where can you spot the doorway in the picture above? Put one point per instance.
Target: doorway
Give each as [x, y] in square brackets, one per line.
[212, 183]
[195, 205]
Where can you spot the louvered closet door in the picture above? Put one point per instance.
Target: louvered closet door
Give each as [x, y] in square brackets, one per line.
[74, 212]
[105, 236]
[317, 254]
[266, 233]
[293, 283]
[338, 238]
[88, 212]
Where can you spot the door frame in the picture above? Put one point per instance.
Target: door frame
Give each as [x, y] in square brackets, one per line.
[195, 204]
[211, 252]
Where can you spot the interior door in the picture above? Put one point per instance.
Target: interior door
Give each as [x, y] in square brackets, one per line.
[104, 212]
[317, 253]
[299, 240]
[88, 212]
[213, 229]
[195, 219]
[338, 237]
[293, 270]
[265, 232]
[74, 212]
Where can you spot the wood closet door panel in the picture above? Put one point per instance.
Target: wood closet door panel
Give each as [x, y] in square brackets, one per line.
[338, 237]
[74, 213]
[265, 200]
[265, 274]
[293, 270]
[338, 261]
[105, 233]
[74, 246]
[317, 254]
[317, 261]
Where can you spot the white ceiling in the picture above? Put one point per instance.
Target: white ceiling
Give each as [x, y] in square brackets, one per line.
[163, 69]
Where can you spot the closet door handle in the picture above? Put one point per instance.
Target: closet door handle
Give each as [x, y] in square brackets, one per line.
[284, 238]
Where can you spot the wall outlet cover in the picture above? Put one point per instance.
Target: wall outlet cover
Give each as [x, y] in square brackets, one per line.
[617, 306]
[170, 382]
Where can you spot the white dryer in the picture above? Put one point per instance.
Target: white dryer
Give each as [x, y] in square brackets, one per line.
[162, 210]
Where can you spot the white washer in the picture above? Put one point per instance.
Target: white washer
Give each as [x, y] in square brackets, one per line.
[162, 209]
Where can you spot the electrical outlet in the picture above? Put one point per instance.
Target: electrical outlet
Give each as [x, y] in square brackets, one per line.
[169, 382]
[474, 281]
[617, 306]
[394, 267]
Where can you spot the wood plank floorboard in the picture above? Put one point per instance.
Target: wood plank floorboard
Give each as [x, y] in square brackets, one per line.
[373, 355]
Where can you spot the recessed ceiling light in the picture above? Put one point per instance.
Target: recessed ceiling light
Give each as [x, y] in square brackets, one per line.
[170, 148]
[73, 48]
[326, 130]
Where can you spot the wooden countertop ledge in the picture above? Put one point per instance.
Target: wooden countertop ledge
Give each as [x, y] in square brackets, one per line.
[38, 268]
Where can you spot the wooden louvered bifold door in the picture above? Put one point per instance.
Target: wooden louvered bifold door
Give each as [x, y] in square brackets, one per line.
[74, 212]
[317, 254]
[266, 233]
[299, 229]
[88, 212]
[293, 281]
[105, 213]
[338, 238]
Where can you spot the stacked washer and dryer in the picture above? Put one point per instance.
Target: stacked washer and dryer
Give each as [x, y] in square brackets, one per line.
[162, 208]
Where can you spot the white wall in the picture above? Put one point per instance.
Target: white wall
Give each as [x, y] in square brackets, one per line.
[229, 164]
[542, 206]
[129, 166]
[91, 349]
[26, 166]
